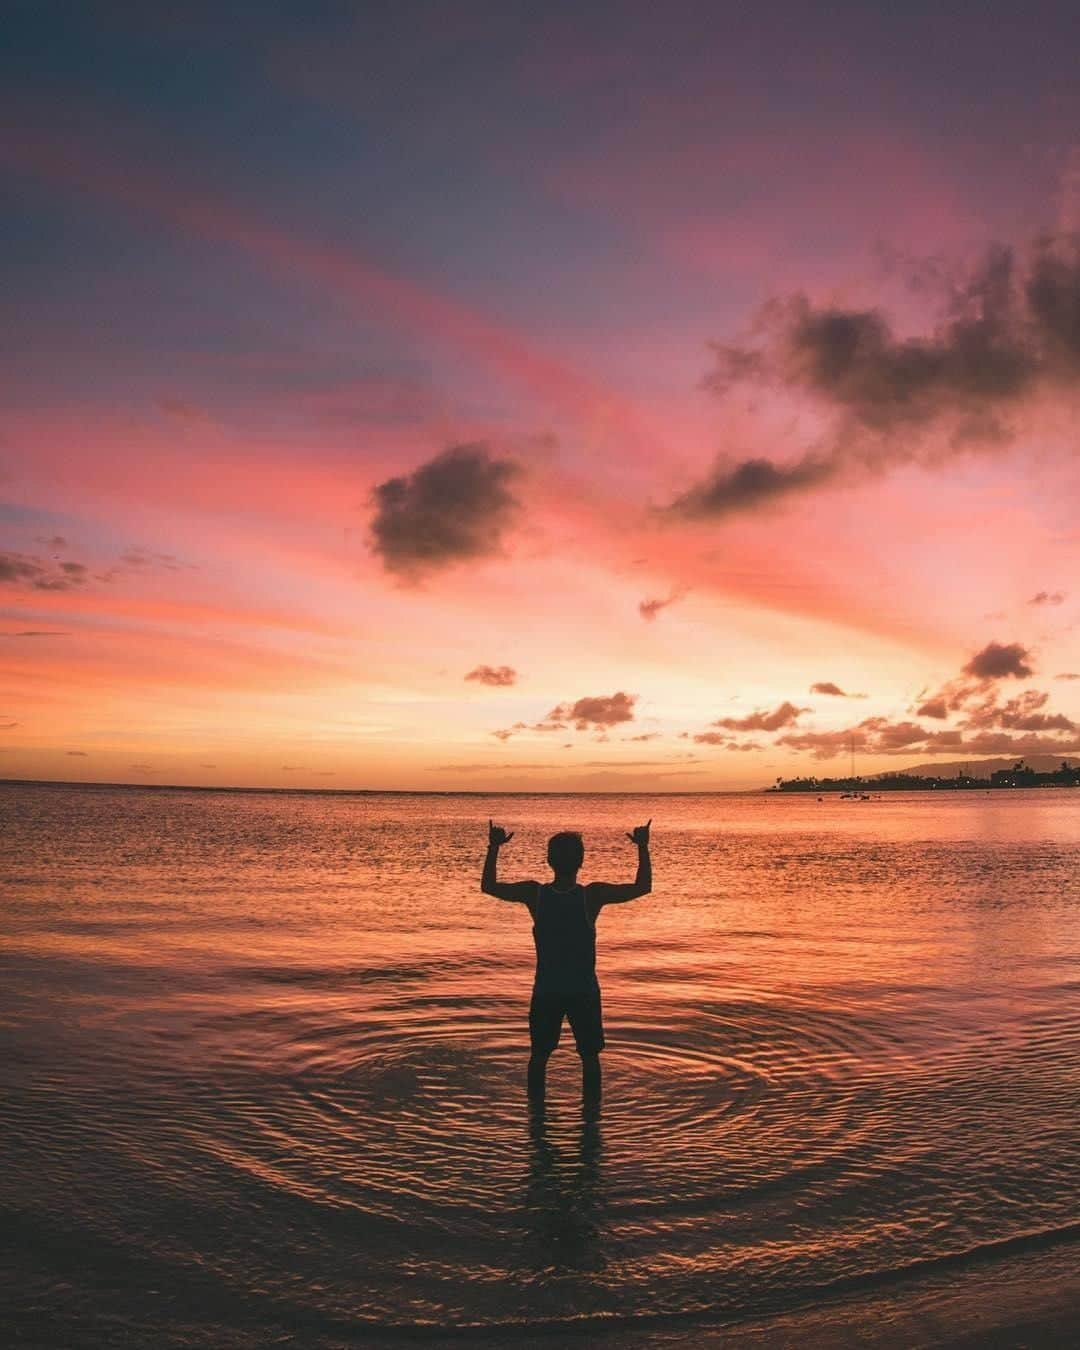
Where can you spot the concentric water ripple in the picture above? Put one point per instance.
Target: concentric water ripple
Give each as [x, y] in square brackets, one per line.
[322, 1123]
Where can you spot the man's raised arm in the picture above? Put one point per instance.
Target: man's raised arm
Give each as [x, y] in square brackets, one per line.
[605, 893]
[521, 891]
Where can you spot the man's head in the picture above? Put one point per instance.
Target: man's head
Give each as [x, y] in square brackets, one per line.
[566, 852]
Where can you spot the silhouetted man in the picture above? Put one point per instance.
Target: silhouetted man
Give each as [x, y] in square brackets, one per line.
[564, 930]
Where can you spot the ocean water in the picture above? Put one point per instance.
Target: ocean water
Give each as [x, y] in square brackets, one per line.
[264, 1063]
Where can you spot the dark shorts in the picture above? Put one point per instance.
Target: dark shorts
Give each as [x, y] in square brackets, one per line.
[547, 1010]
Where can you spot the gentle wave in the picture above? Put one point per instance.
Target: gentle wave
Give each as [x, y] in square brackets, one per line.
[315, 1117]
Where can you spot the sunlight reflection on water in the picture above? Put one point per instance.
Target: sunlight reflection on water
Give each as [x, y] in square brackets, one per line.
[267, 1056]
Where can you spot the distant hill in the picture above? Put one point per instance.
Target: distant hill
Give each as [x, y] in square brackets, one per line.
[983, 768]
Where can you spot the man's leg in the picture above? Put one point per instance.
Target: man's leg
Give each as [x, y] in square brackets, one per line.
[587, 1024]
[590, 1079]
[537, 1080]
[545, 1024]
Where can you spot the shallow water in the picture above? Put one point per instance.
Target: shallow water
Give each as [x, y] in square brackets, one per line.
[265, 1058]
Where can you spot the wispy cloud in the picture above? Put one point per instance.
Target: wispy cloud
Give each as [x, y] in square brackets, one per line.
[739, 486]
[497, 676]
[144, 559]
[649, 609]
[725, 741]
[21, 569]
[833, 690]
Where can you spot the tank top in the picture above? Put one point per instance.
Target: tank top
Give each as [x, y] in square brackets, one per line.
[565, 938]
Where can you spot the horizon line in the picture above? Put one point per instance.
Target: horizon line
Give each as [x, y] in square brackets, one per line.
[381, 792]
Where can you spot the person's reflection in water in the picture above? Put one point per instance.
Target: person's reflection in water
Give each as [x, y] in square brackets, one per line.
[563, 1200]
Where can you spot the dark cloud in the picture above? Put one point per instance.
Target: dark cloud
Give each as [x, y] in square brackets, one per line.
[996, 661]
[985, 724]
[989, 349]
[1022, 713]
[56, 541]
[749, 484]
[8, 726]
[999, 661]
[649, 609]
[1008, 331]
[1068, 675]
[20, 569]
[1047, 598]
[37, 633]
[602, 710]
[782, 716]
[645, 736]
[77, 754]
[834, 690]
[452, 509]
[498, 676]
[880, 736]
[595, 713]
[893, 736]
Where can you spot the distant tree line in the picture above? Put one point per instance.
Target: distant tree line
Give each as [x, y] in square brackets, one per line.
[1020, 775]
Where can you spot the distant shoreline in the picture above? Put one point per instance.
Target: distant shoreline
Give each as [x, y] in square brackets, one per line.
[1020, 776]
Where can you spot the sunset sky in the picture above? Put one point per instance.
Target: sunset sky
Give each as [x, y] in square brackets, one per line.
[537, 396]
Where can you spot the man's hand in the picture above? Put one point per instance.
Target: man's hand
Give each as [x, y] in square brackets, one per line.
[524, 892]
[600, 893]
